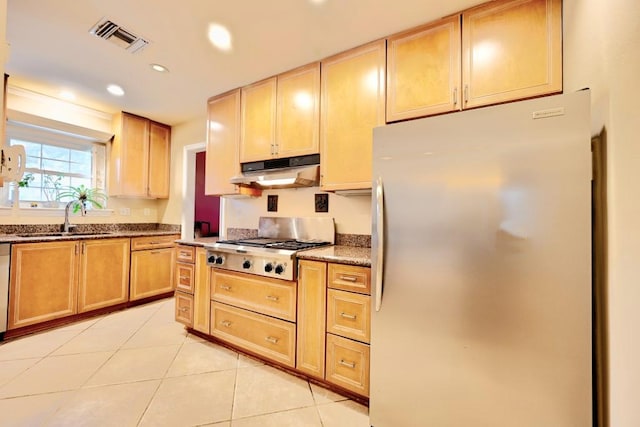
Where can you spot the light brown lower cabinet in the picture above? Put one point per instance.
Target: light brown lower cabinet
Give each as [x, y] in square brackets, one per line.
[312, 307]
[51, 280]
[184, 308]
[272, 338]
[348, 364]
[192, 288]
[104, 273]
[152, 266]
[334, 325]
[43, 282]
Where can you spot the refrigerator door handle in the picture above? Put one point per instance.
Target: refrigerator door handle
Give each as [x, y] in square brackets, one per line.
[380, 243]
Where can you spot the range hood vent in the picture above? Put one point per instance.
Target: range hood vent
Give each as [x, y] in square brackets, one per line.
[108, 30]
[291, 172]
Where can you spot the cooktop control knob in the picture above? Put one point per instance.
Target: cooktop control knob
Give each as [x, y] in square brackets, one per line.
[219, 260]
[268, 268]
[246, 264]
[279, 269]
[211, 259]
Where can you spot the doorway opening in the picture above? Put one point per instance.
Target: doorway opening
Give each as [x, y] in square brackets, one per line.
[206, 220]
[209, 207]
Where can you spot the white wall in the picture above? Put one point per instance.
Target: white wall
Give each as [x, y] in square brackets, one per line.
[192, 132]
[602, 51]
[352, 214]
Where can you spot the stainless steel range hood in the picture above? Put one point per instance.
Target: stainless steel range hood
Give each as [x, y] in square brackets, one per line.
[291, 172]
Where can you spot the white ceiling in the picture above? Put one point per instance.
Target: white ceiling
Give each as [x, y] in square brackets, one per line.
[51, 48]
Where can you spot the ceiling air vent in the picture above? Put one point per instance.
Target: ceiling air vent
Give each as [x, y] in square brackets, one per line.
[117, 35]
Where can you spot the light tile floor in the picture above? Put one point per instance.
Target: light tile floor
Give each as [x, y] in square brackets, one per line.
[140, 368]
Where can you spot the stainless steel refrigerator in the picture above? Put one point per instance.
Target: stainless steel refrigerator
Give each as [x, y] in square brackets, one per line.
[482, 268]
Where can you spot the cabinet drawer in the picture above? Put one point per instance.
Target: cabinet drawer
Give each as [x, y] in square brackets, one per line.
[266, 336]
[153, 242]
[350, 278]
[272, 297]
[348, 364]
[184, 277]
[186, 254]
[184, 308]
[348, 315]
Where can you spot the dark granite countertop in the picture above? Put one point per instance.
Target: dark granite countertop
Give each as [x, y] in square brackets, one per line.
[49, 237]
[352, 255]
[200, 241]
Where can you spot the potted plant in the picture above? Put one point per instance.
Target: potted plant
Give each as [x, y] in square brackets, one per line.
[81, 195]
[26, 179]
[51, 190]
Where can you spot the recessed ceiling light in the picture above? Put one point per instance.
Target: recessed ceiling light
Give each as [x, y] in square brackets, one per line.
[159, 68]
[115, 90]
[317, 1]
[220, 37]
[67, 95]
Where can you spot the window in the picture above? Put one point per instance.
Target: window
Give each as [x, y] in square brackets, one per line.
[56, 160]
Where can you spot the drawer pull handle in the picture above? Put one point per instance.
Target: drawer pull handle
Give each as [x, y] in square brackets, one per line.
[348, 316]
[351, 365]
[272, 298]
[185, 277]
[185, 254]
[156, 252]
[272, 340]
[154, 243]
[225, 287]
[184, 309]
[349, 278]
[226, 323]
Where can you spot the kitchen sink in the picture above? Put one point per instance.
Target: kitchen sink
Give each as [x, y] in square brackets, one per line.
[63, 234]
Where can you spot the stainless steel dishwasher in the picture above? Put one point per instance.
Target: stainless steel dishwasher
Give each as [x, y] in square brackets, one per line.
[5, 253]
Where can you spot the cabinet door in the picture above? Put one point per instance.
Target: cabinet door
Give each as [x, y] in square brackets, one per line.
[184, 308]
[43, 282]
[312, 306]
[151, 272]
[352, 104]
[129, 157]
[104, 273]
[511, 49]
[298, 112]
[348, 364]
[202, 301]
[159, 160]
[258, 124]
[423, 70]
[348, 315]
[223, 139]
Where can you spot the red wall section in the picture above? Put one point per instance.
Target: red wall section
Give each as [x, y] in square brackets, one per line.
[207, 208]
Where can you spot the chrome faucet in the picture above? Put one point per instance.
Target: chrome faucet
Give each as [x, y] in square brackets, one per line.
[66, 227]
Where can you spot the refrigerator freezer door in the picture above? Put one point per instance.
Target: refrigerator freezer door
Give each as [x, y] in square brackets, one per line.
[486, 312]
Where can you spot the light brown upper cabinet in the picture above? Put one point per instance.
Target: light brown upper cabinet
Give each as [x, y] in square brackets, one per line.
[258, 122]
[280, 115]
[511, 50]
[159, 160]
[423, 70]
[504, 50]
[223, 141]
[139, 158]
[352, 104]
